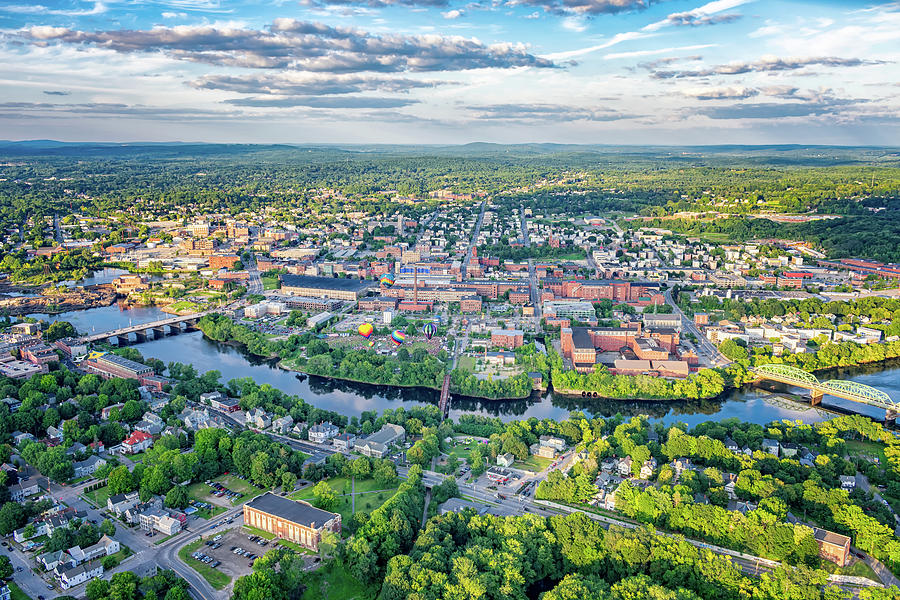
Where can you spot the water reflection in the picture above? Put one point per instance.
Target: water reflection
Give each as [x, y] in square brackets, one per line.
[751, 404]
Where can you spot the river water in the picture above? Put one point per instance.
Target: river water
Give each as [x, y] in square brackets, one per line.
[749, 404]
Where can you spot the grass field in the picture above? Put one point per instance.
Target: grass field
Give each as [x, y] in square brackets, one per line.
[332, 582]
[856, 569]
[16, 593]
[216, 578]
[99, 496]
[183, 305]
[533, 463]
[365, 502]
[466, 363]
[866, 449]
[270, 283]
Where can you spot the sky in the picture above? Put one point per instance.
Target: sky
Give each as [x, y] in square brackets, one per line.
[673, 72]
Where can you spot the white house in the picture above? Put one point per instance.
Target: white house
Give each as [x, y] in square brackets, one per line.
[88, 466]
[105, 547]
[77, 575]
[323, 432]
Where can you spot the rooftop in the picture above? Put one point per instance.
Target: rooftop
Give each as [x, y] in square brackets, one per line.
[291, 510]
[325, 283]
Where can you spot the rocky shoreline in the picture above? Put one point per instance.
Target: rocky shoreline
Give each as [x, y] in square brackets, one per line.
[94, 296]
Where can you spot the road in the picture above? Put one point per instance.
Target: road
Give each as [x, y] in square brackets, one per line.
[708, 351]
[474, 238]
[533, 286]
[254, 284]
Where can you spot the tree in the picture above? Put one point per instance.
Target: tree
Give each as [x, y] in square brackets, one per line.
[177, 497]
[288, 481]
[6, 568]
[59, 330]
[97, 589]
[109, 562]
[120, 480]
[385, 474]
[12, 516]
[325, 497]
[107, 528]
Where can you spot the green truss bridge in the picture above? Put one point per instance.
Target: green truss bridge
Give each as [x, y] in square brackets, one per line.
[848, 390]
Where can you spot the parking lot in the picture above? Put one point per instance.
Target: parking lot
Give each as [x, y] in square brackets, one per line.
[221, 552]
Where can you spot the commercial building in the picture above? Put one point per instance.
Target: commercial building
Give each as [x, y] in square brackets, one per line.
[291, 520]
[138, 441]
[379, 443]
[507, 338]
[325, 287]
[113, 365]
[499, 474]
[223, 261]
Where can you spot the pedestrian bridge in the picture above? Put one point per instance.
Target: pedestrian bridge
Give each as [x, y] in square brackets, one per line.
[848, 390]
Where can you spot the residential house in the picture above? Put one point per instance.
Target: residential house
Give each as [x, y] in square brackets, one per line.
[258, 418]
[647, 468]
[554, 442]
[159, 520]
[19, 437]
[789, 449]
[151, 424]
[505, 460]
[195, 420]
[138, 441]
[73, 576]
[51, 560]
[770, 446]
[106, 411]
[323, 432]
[105, 547]
[283, 425]
[625, 467]
[120, 503]
[27, 487]
[88, 466]
[731, 445]
[538, 449]
[344, 442]
[848, 482]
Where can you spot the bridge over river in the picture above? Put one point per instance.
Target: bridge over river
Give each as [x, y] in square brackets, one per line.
[848, 390]
[147, 331]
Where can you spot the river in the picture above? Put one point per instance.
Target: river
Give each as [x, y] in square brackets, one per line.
[748, 404]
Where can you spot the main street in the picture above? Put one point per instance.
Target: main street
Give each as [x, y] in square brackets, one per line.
[706, 347]
[534, 288]
[474, 239]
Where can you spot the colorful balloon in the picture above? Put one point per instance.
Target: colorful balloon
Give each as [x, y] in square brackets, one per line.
[372, 343]
[398, 336]
[429, 330]
[387, 280]
[366, 330]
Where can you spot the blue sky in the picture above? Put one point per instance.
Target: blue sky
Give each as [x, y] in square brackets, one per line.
[449, 71]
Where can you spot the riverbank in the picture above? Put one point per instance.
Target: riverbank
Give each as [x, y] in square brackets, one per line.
[96, 296]
[282, 365]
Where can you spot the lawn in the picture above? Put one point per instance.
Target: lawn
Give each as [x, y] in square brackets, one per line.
[98, 496]
[855, 569]
[332, 582]
[466, 363]
[341, 486]
[16, 592]
[122, 554]
[183, 305]
[216, 578]
[263, 534]
[270, 283]
[866, 449]
[533, 463]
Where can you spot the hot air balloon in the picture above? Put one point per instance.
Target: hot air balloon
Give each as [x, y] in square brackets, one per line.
[387, 280]
[429, 330]
[366, 330]
[398, 336]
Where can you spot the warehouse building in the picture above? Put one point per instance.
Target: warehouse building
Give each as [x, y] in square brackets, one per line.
[325, 287]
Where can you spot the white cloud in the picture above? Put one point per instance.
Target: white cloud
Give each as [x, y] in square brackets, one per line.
[39, 9]
[452, 14]
[639, 53]
[616, 39]
[576, 24]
